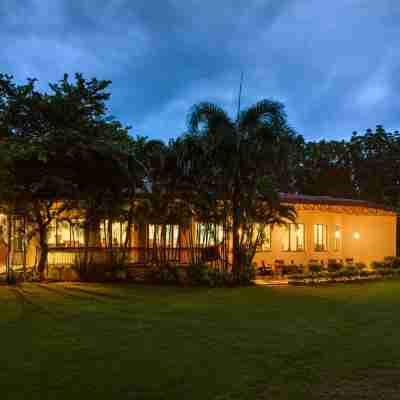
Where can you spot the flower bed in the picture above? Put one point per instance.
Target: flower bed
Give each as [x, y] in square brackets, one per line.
[388, 268]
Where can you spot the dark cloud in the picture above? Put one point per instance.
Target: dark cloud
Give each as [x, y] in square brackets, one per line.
[333, 64]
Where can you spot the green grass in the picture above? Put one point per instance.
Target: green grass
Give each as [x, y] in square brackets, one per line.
[79, 341]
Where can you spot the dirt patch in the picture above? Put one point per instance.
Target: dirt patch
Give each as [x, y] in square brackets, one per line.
[365, 384]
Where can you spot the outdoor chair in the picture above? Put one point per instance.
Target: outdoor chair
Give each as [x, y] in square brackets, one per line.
[278, 267]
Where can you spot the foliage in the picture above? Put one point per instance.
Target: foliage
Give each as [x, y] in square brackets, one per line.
[392, 262]
[48, 136]
[315, 268]
[197, 273]
[225, 173]
[237, 162]
[334, 266]
[165, 274]
[100, 271]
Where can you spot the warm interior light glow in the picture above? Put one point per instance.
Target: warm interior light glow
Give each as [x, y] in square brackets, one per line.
[356, 235]
[337, 235]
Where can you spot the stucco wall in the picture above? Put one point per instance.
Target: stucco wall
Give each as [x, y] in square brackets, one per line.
[377, 238]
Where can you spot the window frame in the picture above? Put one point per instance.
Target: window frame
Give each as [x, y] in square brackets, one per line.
[268, 239]
[164, 242]
[73, 224]
[320, 242]
[121, 233]
[218, 238]
[288, 228]
[337, 237]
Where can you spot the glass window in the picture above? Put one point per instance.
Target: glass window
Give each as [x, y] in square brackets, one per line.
[18, 234]
[262, 234]
[3, 229]
[66, 233]
[293, 237]
[164, 235]
[338, 236]
[209, 234]
[114, 233]
[320, 237]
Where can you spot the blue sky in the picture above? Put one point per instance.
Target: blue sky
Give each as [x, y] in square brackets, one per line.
[334, 64]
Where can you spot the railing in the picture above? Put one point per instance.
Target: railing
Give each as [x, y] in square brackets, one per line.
[133, 255]
[71, 256]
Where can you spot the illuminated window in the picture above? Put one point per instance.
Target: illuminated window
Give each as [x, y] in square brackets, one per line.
[18, 234]
[114, 233]
[320, 237]
[163, 235]
[3, 229]
[293, 237]
[338, 236]
[262, 234]
[66, 233]
[209, 234]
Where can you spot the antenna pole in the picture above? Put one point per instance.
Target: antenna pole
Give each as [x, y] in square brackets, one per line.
[240, 96]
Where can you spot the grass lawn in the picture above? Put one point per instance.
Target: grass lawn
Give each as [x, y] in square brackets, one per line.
[81, 341]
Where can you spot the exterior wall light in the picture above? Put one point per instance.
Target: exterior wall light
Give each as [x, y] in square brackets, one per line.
[356, 235]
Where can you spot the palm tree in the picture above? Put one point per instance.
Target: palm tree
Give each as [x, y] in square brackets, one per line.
[235, 156]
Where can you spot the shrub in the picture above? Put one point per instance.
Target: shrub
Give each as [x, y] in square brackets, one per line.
[334, 266]
[197, 274]
[315, 268]
[247, 276]
[378, 265]
[350, 270]
[12, 278]
[218, 278]
[164, 274]
[392, 262]
[100, 271]
[361, 266]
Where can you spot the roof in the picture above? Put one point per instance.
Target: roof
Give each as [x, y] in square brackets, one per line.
[329, 200]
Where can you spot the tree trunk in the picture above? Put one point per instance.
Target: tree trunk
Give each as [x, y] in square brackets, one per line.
[236, 262]
[44, 250]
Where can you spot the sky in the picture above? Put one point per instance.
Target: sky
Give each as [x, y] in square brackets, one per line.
[335, 65]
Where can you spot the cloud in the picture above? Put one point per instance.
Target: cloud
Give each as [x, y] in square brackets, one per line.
[333, 64]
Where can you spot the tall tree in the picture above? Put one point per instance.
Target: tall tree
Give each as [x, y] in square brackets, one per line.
[55, 147]
[234, 156]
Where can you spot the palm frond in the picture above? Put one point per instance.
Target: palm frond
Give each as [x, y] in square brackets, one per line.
[265, 112]
[209, 115]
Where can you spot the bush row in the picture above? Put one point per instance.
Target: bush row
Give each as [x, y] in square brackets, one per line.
[169, 274]
[389, 267]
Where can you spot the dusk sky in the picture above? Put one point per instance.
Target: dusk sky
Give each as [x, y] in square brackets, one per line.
[334, 64]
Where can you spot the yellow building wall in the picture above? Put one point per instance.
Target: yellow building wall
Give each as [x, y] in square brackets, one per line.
[377, 238]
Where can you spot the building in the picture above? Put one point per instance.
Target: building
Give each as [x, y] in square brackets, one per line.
[330, 228]
[327, 229]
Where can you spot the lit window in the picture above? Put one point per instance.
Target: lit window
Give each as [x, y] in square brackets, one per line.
[114, 234]
[320, 237]
[66, 233]
[3, 229]
[163, 235]
[209, 234]
[338, 236]
[18, 230]
[262, 234]
[293, 237]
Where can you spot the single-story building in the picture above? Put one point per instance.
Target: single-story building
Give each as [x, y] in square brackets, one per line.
[327, 229]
